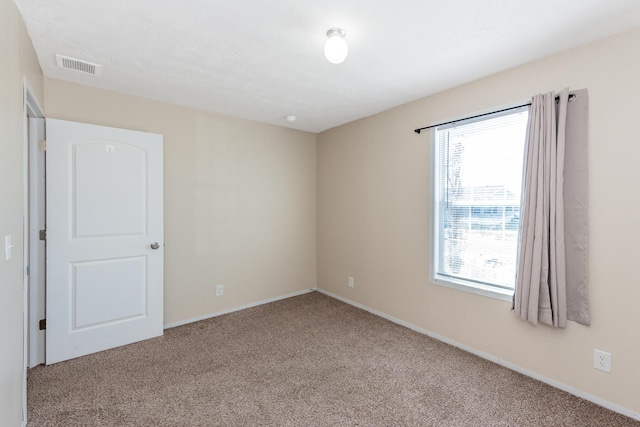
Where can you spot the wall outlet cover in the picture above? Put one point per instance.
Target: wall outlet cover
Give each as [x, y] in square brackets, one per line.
[602, 360]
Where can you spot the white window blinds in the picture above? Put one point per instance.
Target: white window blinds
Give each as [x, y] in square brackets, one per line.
[478, 181]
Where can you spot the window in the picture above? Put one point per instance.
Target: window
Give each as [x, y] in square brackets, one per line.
[477, 179]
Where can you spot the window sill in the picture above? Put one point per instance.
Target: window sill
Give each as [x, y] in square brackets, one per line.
[487, 291]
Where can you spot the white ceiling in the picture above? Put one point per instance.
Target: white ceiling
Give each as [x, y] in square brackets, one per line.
[263, 59]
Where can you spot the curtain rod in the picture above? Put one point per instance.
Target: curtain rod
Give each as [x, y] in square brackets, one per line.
[572, 96]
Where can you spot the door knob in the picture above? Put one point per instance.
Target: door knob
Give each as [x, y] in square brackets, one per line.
[155, 245]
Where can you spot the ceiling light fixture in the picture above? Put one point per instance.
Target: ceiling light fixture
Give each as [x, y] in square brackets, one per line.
[335, 48]
[291, 118]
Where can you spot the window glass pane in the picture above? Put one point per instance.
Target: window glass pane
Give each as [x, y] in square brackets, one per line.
[479, 180]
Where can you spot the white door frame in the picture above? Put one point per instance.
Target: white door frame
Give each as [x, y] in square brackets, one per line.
[31, 109]
[36, 258]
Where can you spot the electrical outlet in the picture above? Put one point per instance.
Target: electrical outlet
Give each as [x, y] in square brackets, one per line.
[351, 282]
[602, 360]
[219, 290]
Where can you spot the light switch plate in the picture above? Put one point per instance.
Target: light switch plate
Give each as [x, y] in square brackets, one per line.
[8, 253]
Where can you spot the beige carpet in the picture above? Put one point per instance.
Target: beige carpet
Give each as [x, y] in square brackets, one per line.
[305, 361]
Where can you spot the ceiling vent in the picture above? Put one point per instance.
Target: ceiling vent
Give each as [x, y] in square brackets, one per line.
[73, 64]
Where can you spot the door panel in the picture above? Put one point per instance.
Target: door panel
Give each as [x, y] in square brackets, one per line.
[108, 174]
[108, 291]
[104, 279]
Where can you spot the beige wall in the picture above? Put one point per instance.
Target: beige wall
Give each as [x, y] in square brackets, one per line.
[240, 202]
[373, 218]
[18, 61]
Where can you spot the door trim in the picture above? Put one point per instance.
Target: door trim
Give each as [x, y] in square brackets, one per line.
[31, 109]
[36, 258]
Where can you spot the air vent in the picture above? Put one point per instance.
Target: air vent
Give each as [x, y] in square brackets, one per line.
[78, 65]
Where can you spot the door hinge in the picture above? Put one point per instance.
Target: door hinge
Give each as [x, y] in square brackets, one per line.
[42, 145]
[27, 270]
[42, 325]
[43, 234]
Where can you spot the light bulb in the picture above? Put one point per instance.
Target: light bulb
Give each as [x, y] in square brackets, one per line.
[336, 48]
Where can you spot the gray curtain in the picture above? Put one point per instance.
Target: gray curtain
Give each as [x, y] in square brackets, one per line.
[551, 282]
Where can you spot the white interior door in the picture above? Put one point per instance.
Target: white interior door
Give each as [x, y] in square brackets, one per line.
[104, 238]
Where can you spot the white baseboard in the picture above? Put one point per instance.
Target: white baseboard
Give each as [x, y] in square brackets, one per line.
[597, 400]
[242, 307]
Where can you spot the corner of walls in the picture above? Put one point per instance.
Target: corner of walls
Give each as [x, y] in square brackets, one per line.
[240, 198]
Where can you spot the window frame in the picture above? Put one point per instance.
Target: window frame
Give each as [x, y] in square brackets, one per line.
[451, 282]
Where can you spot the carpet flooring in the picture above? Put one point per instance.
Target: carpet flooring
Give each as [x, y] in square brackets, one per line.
[304, 361]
